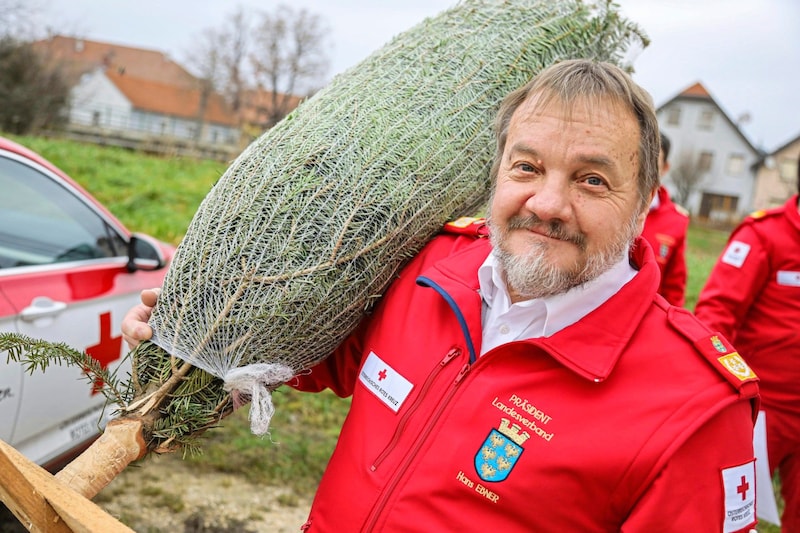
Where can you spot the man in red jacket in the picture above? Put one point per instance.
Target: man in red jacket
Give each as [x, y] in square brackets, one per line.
[665, 229]
[753, 297]
[532, 380]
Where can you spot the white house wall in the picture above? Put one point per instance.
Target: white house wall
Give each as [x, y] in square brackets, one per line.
[96, 101]
[722, 140]
[160, 125]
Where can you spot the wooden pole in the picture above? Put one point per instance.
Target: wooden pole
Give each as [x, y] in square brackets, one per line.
[44, 504]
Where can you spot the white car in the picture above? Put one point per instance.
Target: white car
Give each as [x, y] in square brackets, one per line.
[69, 270]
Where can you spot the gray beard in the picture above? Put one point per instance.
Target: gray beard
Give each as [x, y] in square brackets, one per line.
[531, 275]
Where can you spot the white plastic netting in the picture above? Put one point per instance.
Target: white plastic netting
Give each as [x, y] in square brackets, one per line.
[307, 227]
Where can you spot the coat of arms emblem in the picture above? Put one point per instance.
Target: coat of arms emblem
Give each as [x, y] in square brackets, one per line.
[500, 451]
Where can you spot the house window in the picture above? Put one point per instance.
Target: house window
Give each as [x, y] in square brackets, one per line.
[787, 168]
[718, 207]
[705, 161]
[735, 164]
[95, 118]
[706, 119]
[674, 116]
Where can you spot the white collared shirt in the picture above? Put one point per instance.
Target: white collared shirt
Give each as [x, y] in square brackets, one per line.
[541, 317]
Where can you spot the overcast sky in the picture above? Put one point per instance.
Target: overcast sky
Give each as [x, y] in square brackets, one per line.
[745, 52]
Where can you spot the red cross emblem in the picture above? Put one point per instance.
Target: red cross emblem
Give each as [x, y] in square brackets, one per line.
[107, 350]
[382, 375]
[742, 489]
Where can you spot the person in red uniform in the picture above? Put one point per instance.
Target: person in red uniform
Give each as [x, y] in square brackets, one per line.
[521, 373]
[752, 296]
[665, 229]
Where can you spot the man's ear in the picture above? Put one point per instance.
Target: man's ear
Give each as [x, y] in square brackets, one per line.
[664, 168]
[645, 209]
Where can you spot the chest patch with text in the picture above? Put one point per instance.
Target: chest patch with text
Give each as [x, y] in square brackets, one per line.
[384, 382]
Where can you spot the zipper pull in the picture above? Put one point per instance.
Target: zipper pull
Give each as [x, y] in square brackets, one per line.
[463, 372]
[452, 354]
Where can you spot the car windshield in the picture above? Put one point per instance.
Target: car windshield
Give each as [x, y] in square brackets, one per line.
[42, 222]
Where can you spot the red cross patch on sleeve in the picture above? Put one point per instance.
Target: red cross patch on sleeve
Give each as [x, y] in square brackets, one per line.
[739, 484]
[736, 253]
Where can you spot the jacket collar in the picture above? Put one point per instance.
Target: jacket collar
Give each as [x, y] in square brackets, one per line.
[608, 328]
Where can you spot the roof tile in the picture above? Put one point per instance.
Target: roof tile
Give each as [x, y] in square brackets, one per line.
[171, 100]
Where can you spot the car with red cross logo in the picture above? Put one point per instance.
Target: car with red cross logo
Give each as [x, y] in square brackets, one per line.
[69, 270]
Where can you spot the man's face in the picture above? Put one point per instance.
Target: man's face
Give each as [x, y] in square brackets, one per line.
[566, 203]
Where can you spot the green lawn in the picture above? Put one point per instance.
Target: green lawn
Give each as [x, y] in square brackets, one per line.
[703, 247]
[159, 196]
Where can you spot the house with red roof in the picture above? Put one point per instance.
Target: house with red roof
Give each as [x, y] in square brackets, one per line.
[139, 94]
[712, 163]
[77, 56]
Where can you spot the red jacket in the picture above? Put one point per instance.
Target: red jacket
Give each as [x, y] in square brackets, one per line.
[753, 297]
[665, 229]
[624, 421]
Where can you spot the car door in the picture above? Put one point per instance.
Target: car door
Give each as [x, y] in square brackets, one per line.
[10, 377]
[63, 269]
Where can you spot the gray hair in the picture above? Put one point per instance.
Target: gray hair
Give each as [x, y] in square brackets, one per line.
[590, 82]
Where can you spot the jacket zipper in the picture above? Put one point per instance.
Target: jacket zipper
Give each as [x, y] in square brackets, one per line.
[452, 354]
[389, 489]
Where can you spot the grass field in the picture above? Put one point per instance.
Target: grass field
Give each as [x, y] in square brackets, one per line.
[159, 196]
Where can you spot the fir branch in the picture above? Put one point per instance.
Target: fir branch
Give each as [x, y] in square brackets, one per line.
[37, 355]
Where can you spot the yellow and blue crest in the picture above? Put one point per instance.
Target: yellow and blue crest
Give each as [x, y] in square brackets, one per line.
[500, 451]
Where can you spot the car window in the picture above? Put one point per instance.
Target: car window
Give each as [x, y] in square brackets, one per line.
[42, 222]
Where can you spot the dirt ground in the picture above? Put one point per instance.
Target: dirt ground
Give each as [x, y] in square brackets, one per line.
[164, 495]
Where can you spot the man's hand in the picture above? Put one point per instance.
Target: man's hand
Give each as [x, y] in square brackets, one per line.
[134, 325]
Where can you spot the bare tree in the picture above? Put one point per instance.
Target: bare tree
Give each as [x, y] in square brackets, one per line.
[34, 92]
[686, 175]
[234, 40]
[33, 89]
[219, 57]
[262, 63]
[206, 66]
[289, 57]
[217, 61]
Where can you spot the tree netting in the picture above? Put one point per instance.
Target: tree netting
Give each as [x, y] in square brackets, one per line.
[308, 226]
